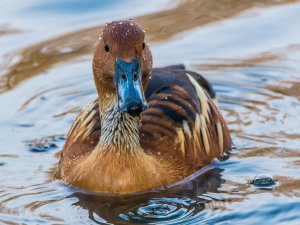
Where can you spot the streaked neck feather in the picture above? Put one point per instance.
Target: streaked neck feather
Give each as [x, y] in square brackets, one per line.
[119, 130]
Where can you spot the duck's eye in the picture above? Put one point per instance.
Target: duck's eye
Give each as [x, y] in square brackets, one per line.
[106, 47]
[143, 45]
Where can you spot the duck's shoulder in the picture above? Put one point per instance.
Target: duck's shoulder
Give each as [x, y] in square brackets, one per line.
[176, 75]
[84, 133]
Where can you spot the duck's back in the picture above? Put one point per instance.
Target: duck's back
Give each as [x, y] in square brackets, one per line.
[182, 124]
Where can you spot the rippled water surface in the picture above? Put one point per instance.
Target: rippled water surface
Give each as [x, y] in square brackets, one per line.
[249, 50]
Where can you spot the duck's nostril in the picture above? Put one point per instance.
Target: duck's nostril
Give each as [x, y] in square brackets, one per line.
[135, 76]
[123, 76]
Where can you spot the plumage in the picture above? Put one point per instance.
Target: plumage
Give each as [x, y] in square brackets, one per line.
[181, 131]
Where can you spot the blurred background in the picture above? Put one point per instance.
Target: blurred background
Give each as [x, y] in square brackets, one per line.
[248, 49]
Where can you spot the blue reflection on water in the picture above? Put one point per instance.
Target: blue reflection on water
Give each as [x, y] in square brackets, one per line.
[74, 6]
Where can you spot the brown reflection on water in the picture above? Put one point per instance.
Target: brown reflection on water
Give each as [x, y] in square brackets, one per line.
[286, 187]
[238, 63]
[251, 61]
[160, 26]
[288, 88]
[295, 164]
[273, 152]
[6, 30]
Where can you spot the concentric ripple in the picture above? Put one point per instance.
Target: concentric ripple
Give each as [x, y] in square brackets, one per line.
[165, 210]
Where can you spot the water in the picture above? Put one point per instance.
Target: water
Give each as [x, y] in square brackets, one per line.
[248, 49]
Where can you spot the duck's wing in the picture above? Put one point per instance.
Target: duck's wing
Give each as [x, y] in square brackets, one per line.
[172, 75]
[182, 120]
[85, 132]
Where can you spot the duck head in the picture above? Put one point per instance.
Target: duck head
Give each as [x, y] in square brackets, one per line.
[122, 66]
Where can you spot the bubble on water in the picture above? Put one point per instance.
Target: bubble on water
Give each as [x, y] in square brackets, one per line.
[264, 181]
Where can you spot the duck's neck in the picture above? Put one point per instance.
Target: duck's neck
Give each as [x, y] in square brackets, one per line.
[119, 130]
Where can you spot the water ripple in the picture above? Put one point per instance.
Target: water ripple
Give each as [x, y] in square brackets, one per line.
[162, 210]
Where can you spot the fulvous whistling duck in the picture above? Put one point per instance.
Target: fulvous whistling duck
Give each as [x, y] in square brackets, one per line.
[148, 128]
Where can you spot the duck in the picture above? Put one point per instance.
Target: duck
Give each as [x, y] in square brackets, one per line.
[148, 128]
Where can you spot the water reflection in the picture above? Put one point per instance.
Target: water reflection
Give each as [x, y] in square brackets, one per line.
[63, 6]
[160, 26]
[172, 206]
[6, 30]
